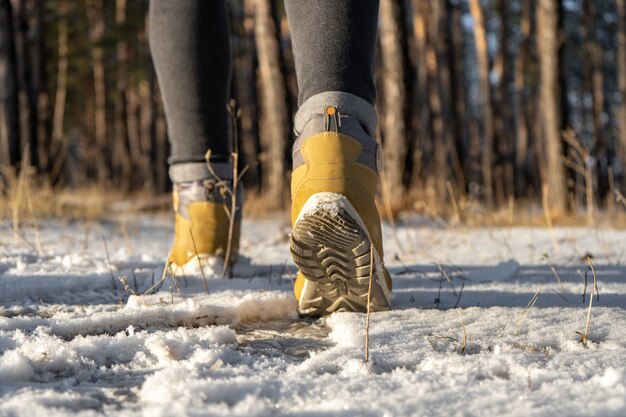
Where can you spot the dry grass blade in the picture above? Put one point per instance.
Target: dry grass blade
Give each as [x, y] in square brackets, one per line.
[20, 191]
[619, 197]
[156, 286]
[195, 249]
[106, 250]
[33, 219]
[464, 343]
[123, 279]
[545, 193]
[369, 299]
[584, 336]
[545, 350]
[526, 311]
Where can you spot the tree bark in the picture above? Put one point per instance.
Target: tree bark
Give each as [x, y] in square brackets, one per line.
[393, 122]
[547, 43]
[274, 123]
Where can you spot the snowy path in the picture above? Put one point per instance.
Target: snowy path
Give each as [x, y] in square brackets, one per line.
[72, 345]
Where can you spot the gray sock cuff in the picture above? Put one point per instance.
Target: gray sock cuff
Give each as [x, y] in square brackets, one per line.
[346, 103]
[198, 171]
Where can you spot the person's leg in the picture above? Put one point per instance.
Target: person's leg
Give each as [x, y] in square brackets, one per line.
[334, 43]
[189, 41]
[336, 159]
[190, 45]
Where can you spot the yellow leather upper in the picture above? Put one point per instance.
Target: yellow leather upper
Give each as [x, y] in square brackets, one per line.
[209, 224]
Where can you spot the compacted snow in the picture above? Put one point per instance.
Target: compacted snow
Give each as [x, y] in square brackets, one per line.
[458, 342]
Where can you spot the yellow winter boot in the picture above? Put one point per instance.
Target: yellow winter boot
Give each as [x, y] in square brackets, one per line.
[335, 220]
[202, 221]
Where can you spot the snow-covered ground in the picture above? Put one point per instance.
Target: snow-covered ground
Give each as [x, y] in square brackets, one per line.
[71, 344]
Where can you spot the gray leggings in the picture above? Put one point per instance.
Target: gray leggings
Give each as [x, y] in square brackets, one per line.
[333, 44]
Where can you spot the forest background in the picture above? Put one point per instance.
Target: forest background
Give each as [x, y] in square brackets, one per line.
[483, 105]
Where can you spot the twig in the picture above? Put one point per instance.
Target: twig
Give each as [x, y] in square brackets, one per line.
[369, 298]
[235, 114]
[106, 249]
[233, 215]
[195, 248]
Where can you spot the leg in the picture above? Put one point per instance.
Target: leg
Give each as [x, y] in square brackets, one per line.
[336, 240]
[334, 44]
[189, 40]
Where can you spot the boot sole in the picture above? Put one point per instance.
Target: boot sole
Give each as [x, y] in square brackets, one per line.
[332, 248]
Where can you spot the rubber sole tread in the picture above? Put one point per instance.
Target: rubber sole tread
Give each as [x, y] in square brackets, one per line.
[331, 250]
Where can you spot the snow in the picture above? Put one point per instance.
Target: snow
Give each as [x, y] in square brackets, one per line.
[455, 343]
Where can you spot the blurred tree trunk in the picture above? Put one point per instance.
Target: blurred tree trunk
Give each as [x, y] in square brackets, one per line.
[420, 91]
[437, 135]
[142, 121]
[521, 126]
[446, 158]
[621, 78]
[594, 80]
[547, 43]
[392, 123]
[95, 17]
[245, 74]
[9, 118]
[58, 149]
[502, 104]
[128, 153]
[274, 131]
[482, 57]
[27, 98]
[457, 84]
[39, 81]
